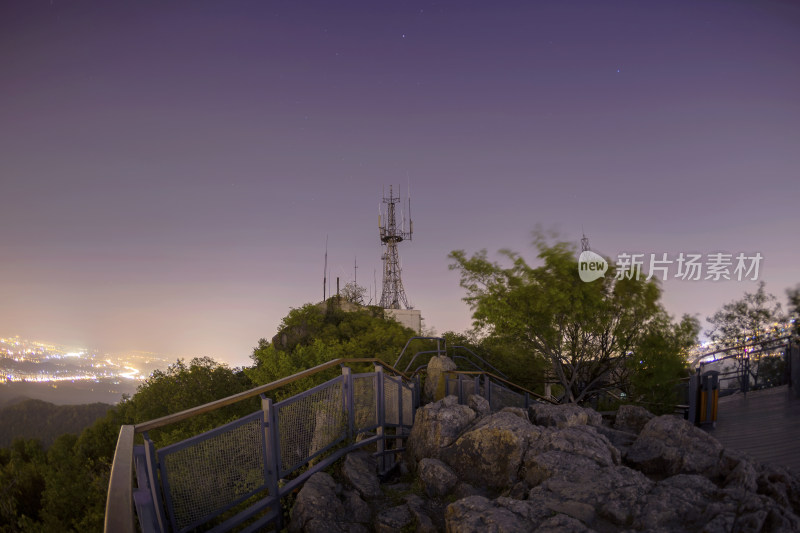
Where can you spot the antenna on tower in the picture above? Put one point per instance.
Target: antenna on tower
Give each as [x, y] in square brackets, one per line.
[325, 271]
[584, 242]
[393, 295]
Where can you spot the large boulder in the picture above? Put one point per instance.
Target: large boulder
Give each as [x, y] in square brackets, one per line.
[436, 426]
[318, 509]
[479, 404]
[565, 415]
[360, 469]
[434, 382]
[491, 453]
[632, 418]
[478, 514]
[436, 477]
[608, 494]
[668, 445]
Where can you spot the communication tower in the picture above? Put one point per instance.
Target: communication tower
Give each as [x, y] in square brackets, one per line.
[393, 295]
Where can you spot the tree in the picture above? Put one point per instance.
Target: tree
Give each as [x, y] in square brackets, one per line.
[794, 306]
[659, 363]
[354, 293]
[747, 320]
[583, 329]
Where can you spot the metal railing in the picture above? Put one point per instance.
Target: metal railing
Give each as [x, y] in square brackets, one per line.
[235, 475]
[499, 392]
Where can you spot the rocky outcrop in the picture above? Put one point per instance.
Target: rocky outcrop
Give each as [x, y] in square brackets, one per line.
[558, 468]
[668, 446]
[360, 469]
[436, 426]
[319, 509]
[632, 418]
[561, 416]
[436, 477]
[434, 382]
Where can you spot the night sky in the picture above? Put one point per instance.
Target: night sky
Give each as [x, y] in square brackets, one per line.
[170, 170]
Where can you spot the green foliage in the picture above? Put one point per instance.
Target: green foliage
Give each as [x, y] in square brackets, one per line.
[312, 335]
[659, 363]
[583, 330]
[182, 387]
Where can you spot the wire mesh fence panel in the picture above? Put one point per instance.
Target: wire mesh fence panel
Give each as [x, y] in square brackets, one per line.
[450, 386]
[408, 405]
[309, 423]
[468, 388]
[391, 401]
[503, 397]
[210, 473]
[364, 402]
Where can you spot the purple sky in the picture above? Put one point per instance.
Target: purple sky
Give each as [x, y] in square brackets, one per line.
[169, 171]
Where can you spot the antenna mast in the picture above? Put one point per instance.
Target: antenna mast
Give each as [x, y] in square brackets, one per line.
[393, 295]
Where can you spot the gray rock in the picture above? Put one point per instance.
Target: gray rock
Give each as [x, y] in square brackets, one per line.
[437, 477]
[434, 382]
[360, 470]
[677, 503]
[317, 508]
[562, 523]
[668, 445]
[561, 416]
[422, 521]
[479, 404]
[393, 520]
[476, 514]
[490, 454]
[436, 426]
[621, 440]
[614, 492]
[356, 509]
[519, 411]
[583, 441]
[632, 418]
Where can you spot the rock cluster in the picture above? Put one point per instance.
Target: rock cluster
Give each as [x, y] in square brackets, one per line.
[560, 468]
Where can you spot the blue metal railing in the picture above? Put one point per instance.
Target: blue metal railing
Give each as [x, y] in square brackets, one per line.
[235, 475]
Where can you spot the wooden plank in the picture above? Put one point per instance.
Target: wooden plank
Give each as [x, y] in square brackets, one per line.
[764, 424]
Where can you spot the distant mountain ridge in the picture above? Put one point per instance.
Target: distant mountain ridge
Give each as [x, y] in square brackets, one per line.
[37, 419]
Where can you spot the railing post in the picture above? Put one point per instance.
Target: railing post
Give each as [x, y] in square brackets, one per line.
[694, 392]
[348, 397]
[380, 431]
[460, 389]
[272, 443]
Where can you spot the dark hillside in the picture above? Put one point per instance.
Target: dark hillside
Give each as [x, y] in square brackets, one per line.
[36, 419]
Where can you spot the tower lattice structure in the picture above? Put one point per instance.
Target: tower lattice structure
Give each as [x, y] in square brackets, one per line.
[393, 295]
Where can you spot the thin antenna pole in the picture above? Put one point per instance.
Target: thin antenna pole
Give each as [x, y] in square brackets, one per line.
[355, 271]
[325, 271]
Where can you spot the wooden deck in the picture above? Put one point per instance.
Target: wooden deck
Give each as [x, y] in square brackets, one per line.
[764, 424]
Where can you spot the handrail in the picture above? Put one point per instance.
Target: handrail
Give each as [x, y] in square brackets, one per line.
[484, 373]
[484, 361]
[437, 339]
[739, 347]
[217, 404]
[119, 516]
[119, 499]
